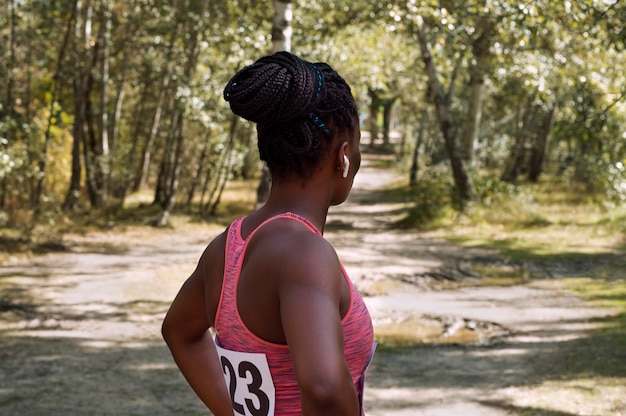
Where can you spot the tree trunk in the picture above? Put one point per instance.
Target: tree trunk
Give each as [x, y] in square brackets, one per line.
[249, 159]
[11, 17]
[56, 87]
[539, 146]
[146, 154]
[225, 169]
[92, 144]
[30, 65]
[200, 167]
[462, 181]
[104, 144]
[78, 84]
[387, 113]
[161, 194]
[281, 25]
[373, 116]
[212, 199]
[516, 158]
[416, 150]
[174, 173]
[480, 48]
[128, 176]
[84, 119]
[281, 41]
[119, 102]
[73, 193]
[143, 169]
[114, 130]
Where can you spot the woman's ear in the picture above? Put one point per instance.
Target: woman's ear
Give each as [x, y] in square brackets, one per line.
[342, 159]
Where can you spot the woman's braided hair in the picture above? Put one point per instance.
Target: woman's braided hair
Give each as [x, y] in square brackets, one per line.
[298, 107]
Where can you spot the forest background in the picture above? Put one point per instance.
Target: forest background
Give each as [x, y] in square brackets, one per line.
[106, 103]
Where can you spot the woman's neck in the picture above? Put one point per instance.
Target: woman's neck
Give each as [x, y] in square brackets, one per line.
[304, 201]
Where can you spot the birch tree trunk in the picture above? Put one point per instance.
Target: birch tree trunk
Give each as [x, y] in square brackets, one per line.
[115, 121]
[462, 181]
[281, 28]
[104, 155]
[281, 41]
[91, 122]
[11, 57]
[92, 148]
[146, 154]
[480, 48]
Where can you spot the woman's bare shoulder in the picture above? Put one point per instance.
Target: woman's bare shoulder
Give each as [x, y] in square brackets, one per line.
[292, 250]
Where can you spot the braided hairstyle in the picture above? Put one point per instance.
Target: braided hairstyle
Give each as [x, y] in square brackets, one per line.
[298, 107]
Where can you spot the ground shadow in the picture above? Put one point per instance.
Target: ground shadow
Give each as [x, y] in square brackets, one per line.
[48, 375]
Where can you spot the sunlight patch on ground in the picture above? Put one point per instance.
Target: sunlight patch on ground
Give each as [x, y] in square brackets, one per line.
[151, 366]
[600, 396]
[499, 352]
[412, 331]
[98, 344]
[430, 401]
[57, 333]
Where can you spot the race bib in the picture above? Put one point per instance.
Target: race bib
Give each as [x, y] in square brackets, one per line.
[249, 382]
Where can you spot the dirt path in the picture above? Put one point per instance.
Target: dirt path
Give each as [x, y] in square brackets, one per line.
[80, 330]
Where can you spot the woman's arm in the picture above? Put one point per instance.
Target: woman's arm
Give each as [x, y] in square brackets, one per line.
[186, 332]
[310, 293]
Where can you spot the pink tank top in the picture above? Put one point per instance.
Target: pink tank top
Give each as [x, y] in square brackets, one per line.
[232, 334]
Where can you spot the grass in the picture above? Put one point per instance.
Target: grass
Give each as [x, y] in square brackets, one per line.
[604, 351]
[532, 221]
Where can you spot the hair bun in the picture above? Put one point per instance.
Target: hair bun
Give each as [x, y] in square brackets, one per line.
[275, 89]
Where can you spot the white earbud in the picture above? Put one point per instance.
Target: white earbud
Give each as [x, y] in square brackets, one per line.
[346, 166]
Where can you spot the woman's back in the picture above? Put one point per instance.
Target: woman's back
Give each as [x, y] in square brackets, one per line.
[238, 330]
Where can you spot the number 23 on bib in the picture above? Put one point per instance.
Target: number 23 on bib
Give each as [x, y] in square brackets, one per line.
[249, 382]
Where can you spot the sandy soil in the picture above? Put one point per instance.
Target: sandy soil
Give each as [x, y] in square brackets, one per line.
[80, 329]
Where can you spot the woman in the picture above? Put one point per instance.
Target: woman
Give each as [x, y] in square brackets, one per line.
[293, 336]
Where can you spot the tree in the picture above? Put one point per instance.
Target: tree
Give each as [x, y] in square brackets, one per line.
[462, 180]
[281, 41]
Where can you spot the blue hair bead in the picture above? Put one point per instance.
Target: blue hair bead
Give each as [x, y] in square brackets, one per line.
[318, 123]
[319, 81]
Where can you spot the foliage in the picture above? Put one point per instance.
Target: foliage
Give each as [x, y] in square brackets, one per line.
[495, 194]
[129, 83]
[433, 197]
